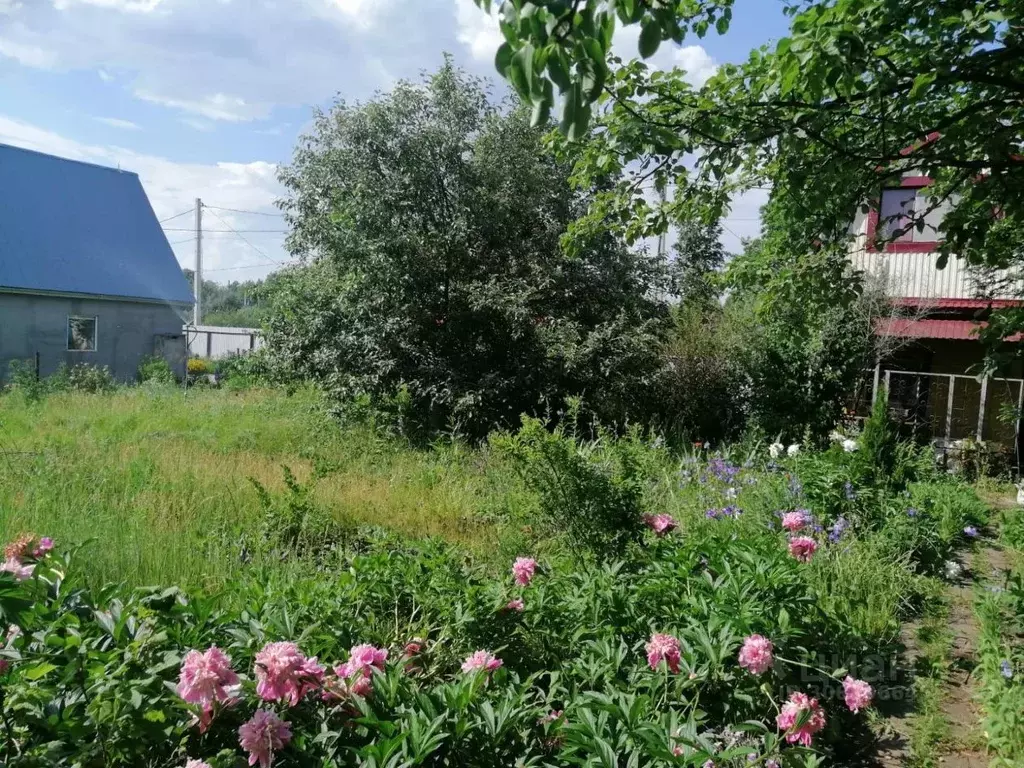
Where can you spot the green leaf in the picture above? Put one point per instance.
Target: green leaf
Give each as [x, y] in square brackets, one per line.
[542, 107]
[39, 671]
[921, 83]
[503, 59]
[650, 38]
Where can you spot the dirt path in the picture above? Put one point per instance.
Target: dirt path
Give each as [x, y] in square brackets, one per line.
[941, 723]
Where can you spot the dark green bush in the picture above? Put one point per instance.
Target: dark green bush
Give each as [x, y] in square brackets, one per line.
[590, 493]
[157, 370]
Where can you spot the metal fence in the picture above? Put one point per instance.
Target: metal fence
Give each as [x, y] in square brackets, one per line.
[214, 342]
[942, 407]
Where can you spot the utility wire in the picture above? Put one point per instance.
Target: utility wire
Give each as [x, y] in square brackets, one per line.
[251, 266]
[239, 210]
[244, 238]
[229, 231]
[178, 215]
[180, 242]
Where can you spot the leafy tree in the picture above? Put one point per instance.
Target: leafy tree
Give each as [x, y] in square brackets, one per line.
[860, 93]
[238, 304]
[698, 257]
[431, 224]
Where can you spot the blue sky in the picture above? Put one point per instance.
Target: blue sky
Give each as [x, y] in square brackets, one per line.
[203, 98]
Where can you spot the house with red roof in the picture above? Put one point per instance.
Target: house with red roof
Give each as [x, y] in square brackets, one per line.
[933, 376]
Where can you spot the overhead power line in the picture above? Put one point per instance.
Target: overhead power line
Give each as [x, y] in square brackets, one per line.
[177, 216]
[230, 231]
[239, 210]
[254, 266]
[244, 238]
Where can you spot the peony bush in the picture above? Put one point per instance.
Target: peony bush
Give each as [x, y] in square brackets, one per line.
[713, 639]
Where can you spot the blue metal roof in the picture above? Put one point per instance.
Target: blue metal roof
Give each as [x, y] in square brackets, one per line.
[73, 227]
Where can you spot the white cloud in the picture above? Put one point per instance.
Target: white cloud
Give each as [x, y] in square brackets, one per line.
[27, 54]
[699, 65]
[477, 30]
[230, 60]
[105, 76]
[196, 124]
[116, 122]
[172, 188]
[217, 106]
[128, 6]
[694, 59]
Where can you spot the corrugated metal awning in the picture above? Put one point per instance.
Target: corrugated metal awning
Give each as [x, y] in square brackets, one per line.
[964, 330]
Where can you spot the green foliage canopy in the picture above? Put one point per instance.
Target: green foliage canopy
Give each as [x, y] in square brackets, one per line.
[432, 222]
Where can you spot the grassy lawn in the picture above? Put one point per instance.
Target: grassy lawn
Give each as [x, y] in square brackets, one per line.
[162, 482]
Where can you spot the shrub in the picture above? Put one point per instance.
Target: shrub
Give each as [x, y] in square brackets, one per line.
[198, 366]
[472, 307]
[21, 377]
[83, 377]
[590, 493]
[156, 369]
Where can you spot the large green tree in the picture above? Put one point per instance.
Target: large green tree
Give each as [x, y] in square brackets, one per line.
[859, 93]
[431, 222]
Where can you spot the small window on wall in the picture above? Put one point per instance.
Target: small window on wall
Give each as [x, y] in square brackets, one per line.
[81, 334]
[897, 213]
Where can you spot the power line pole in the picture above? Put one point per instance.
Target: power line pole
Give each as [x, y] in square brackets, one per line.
[197, 315]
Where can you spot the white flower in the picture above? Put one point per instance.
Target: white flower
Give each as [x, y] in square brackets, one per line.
[836, 437]
[952, 569]
[793, 450]
[850, 445]
[775, 450]
[730, 493]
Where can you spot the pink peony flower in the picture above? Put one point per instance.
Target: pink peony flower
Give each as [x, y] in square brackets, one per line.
[663, 648]
[196, 764]
[20, 547]
[662, 525]
[551, 717]
[794, 521]
[262, 736]
[802, 548]
[523, 569]
[355, 676]
[413, 648]
[17, 569]
[515, 606]
[481, 660]
[44, 546]
[678, 750]
[857, 693]
[283, 673]
[410, 655]
[205, 680]
[756, 654]
[800, 719]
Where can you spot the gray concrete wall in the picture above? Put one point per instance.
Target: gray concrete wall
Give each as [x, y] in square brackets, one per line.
[126, 332]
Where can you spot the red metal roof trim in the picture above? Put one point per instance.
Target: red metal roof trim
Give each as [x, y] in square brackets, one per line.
[956, 330]
[925, 303]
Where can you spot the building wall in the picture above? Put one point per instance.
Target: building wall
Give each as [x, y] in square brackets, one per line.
[915, 275]
[126, 332]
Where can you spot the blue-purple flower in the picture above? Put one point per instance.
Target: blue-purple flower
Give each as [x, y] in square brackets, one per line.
[1006, 669]
[837, 530]
[971, 532]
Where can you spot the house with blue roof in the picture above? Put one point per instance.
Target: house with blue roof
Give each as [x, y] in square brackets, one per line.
[86, 272]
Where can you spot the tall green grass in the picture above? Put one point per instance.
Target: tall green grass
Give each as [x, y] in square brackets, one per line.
[160, 483]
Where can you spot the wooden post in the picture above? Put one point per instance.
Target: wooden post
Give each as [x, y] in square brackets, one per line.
[888, 374]
[874, 384]
[981, 407]
[949, 410]
[209, 345]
